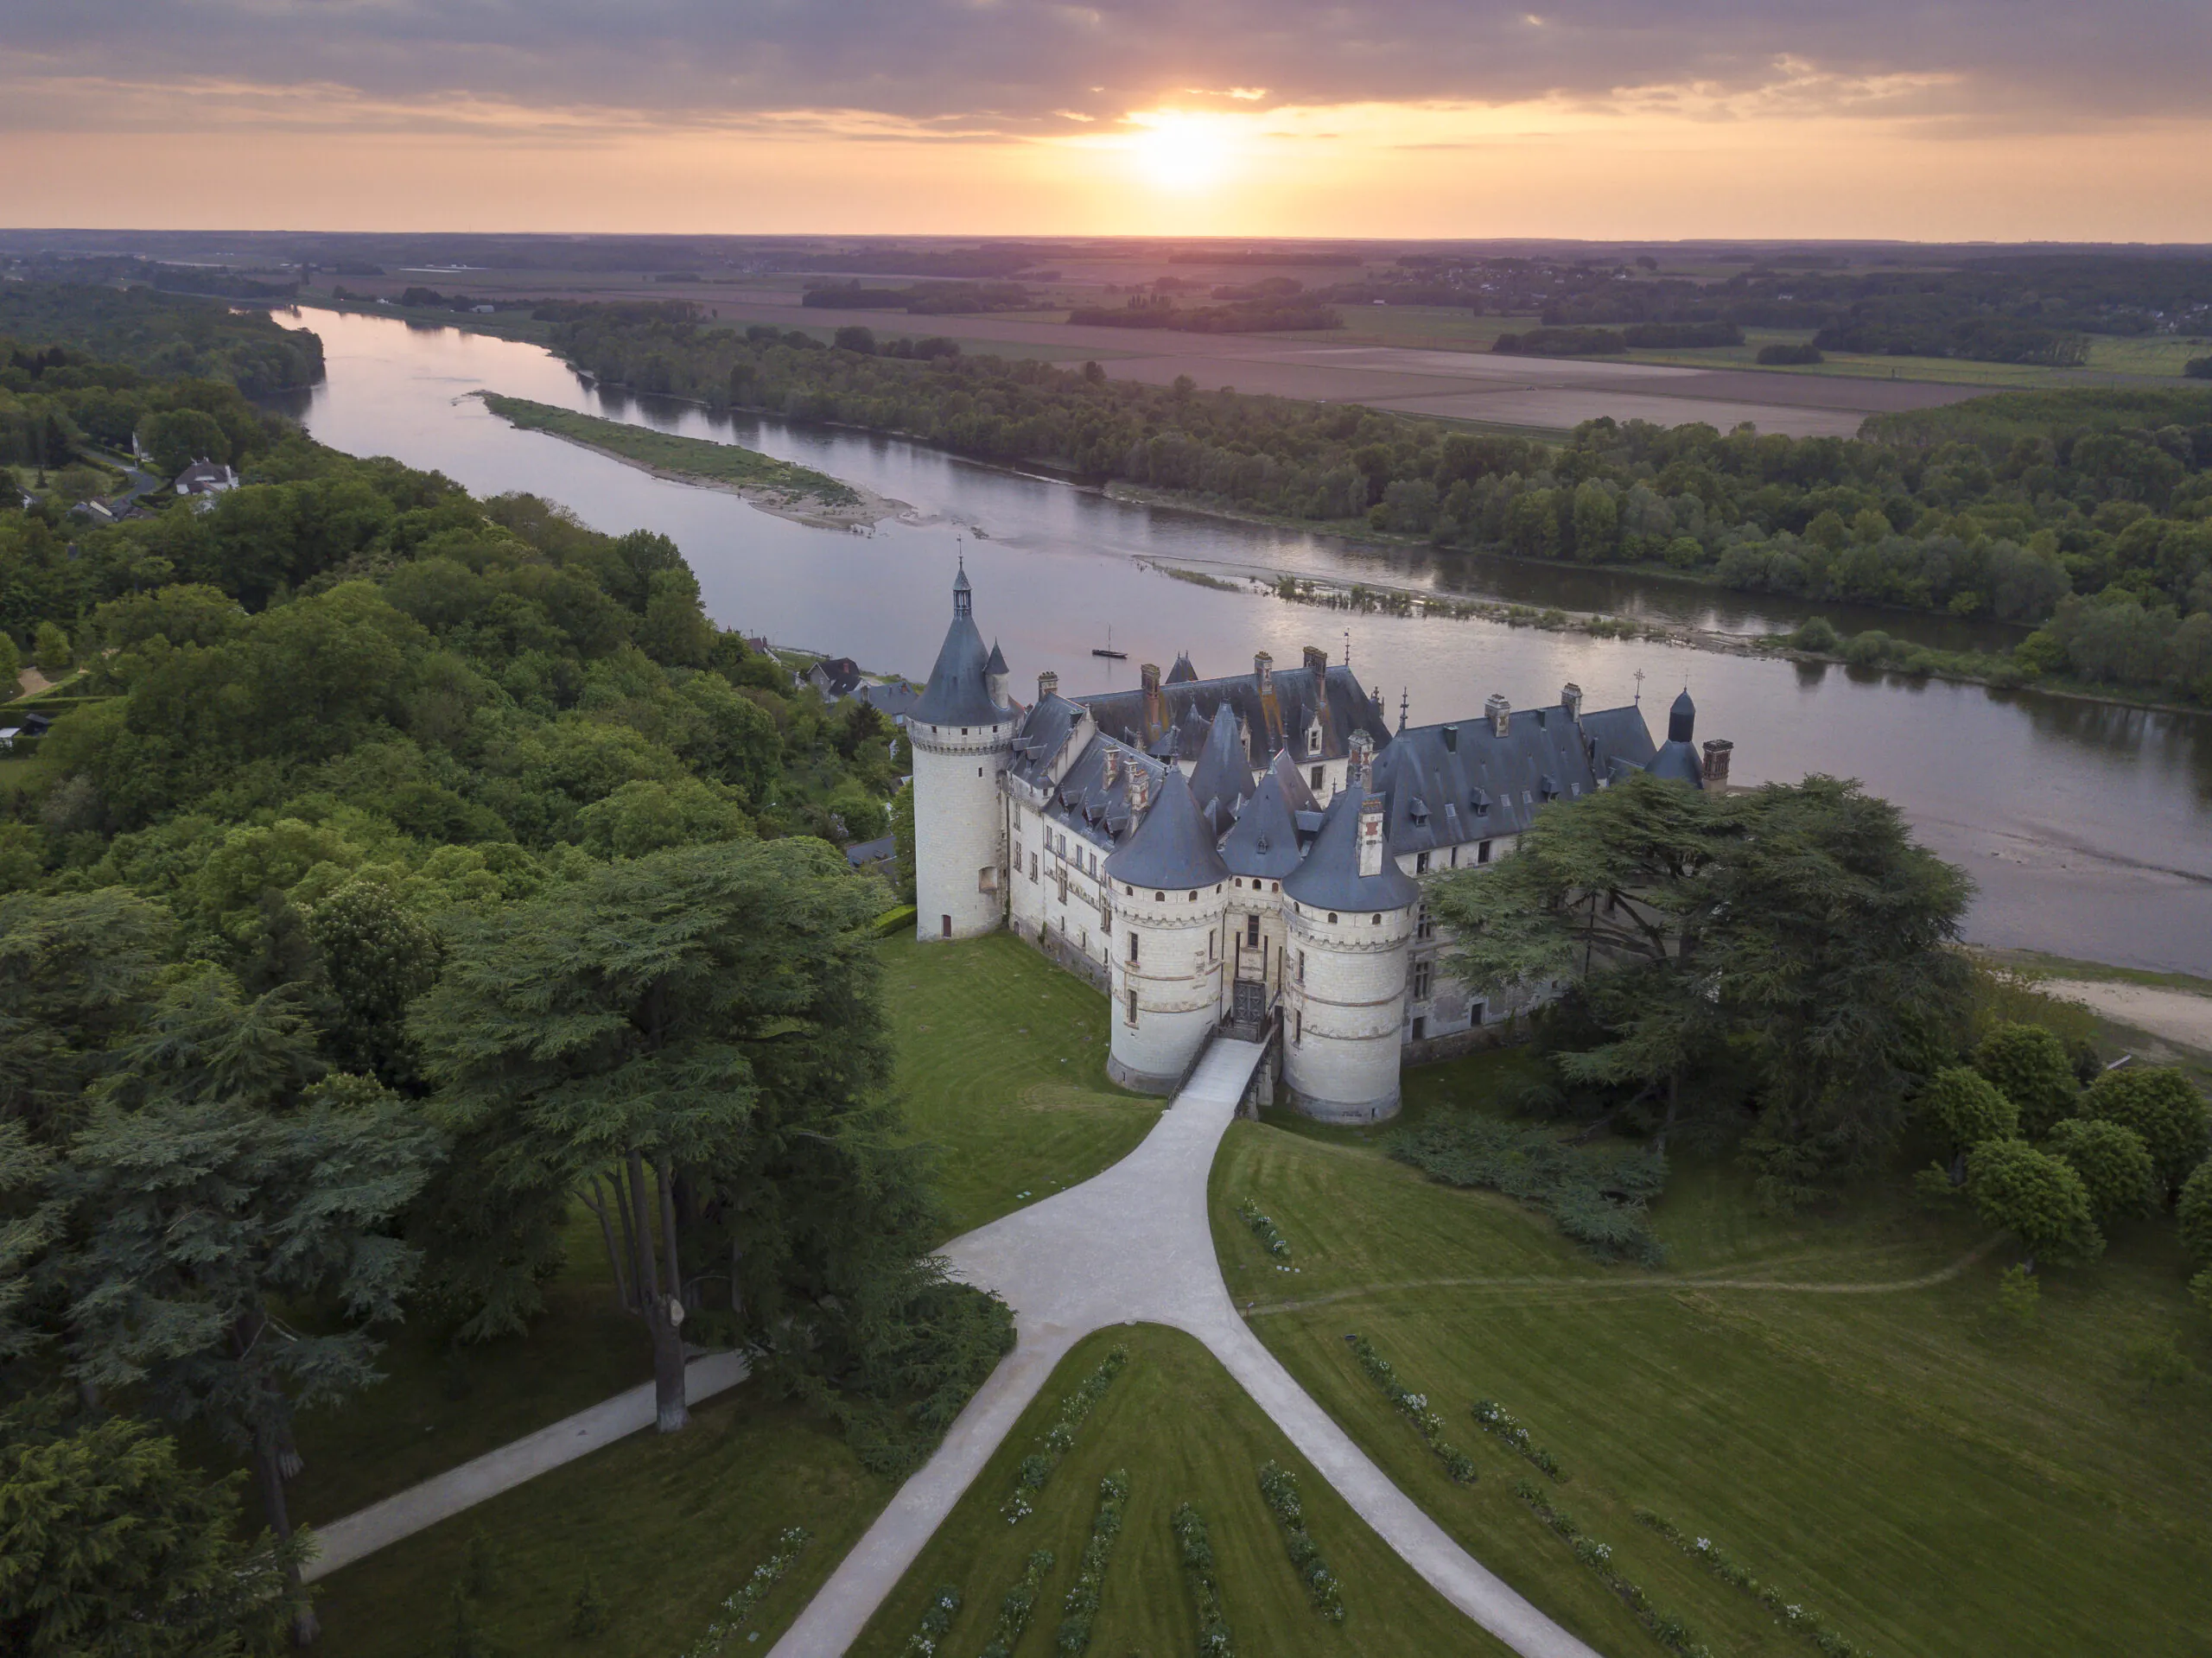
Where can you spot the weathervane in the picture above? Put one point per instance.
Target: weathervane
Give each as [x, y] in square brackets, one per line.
[1639, 688]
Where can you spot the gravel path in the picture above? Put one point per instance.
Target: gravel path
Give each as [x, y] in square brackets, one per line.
[1133, 1245]
[2180, 1016]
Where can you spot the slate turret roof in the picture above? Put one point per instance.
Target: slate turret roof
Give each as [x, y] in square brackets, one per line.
[1264, 843]
[1222, 780]
[958, 693]
[1174, 847]
[1184, 672]
[1329, 877]
[1298, 697]
[1677, 759]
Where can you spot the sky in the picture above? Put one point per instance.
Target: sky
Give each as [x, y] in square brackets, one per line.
[1916, 120]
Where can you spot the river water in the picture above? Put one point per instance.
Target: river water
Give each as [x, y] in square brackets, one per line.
[2088, 829]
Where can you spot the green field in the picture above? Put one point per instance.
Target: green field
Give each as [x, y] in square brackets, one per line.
[691, 458]
[1927, 1481]
[1184, 1432]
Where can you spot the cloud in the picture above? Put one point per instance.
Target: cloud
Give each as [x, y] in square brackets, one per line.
[964, 67]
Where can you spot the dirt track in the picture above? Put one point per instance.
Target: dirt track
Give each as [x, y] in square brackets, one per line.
[2177, 1015]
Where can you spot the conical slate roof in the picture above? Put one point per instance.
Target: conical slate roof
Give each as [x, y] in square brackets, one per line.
[1172, 847]
[1183, 673]
[957, 694]
[1329, 877]
[1222, 777]
[1677, 759]
[997, 664]
[1264, 841]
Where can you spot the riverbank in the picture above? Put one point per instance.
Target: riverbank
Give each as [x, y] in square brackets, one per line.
[778, 488]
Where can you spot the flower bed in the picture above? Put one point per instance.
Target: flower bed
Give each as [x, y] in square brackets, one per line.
[742, 1606]
[1492, 1418]
[1196, 1548]
[1280, 1487]
[1796, 1615]
[1667, 1630]
[1264, 1229]
[1082, 1605]
[1014, 1610]
[1414, 1407]
[934, 1622]
[1059, 1438]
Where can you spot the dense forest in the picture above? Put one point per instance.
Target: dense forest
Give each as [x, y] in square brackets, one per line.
[162, 336]
[400, 872]
[2089, 513]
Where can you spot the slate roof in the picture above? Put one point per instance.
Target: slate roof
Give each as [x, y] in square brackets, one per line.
[957, 694]
[1271, 722]
[1184, 672]
[1677, 760]
[1173, 847]
[1222, 780]
[1329, 877]
[1265, 842]
[997, 664]
[896, 699]
[1446, 785]
[838, 677]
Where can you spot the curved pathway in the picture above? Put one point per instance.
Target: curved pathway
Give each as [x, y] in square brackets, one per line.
[1133, 1245]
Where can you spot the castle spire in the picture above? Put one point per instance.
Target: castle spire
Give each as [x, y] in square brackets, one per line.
[963, 596]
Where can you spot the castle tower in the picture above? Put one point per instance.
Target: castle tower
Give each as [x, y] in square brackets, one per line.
[1168, 889]
[1677, 758]
[1351, 920]
[962, 736]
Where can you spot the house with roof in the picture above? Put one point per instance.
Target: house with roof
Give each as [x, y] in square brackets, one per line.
[1247, 853]
[835, 678]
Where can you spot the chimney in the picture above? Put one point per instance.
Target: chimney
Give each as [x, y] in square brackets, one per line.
[1154, 716]
[1140, 787]
[1362, 750]
[1113, 765]
[1570, 698]
[1263, 670]
[1148, 676]
[1451, 739]
[1048, 684]
[1316, 661]
[1500, 712]
[1370, 835]
[1716, 761]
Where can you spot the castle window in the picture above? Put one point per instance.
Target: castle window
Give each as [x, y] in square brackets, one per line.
[1314, 739]
[1133, 959]
[1424, 923]
[1301, 967]
[1420, 1028]
[1424, 972]
[1133, 1006]
[1251, 932]
[1332, 915]
[1297, 1028]
[1375, 920]
[1420, 863]
[1482, 852]
[1159, 897]
[1317, 776]
[1033, 866]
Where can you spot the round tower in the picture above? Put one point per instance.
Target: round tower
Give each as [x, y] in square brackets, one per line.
[962, 735]
[1168, 888]
[1351, 922]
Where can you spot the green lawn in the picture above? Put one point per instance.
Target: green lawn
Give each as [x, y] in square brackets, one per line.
[1184, 1432]
[1002, 1069]
[1928, 1482]
[671, 1525]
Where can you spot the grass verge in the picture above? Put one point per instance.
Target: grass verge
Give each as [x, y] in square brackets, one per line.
[1930, 1481]
[1186, 1432]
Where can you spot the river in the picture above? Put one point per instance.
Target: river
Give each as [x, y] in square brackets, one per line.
[2087, 828]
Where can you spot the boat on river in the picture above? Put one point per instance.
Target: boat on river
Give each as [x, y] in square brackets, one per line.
[1107, 651]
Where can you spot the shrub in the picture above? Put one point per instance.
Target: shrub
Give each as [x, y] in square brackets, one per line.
[1491, 1416]
[2019, 1297]
[1082, 1603]
[1597, 1197]
[1015, 1610]
[1059, 1438]
[1667, 1630]
[2029, 1066]
[50, 650]
[1195, 1549]
[2113, 1163]
[937, 1619]
[590, 1615]
[1965, 1109]
[2161, 1104]
[1816, 633]
[2198, 368]
[1278, 1487]
[1414, 1407]
[1264, 1229]
[1714, 1559]
[1787, 356]
[2193, 1210]
[1867, 649]
[743, 1604]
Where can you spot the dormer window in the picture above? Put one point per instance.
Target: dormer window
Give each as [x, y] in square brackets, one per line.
[1314, 739]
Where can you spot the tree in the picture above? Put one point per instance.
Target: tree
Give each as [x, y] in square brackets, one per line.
[902, 839]
[173, 440]
[377, 955]
[2037, 1197]
[676, 630]
[11, 667]
[76, 974]
[1965, 1109]
[2029, 1065]
[111, 1547]
[212, 1230]
[2193, 1214]
[2161, 1104]
[652, 1040]
[50, 650]
[2113, 1163]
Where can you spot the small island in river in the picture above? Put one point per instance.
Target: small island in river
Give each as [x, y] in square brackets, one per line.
[778, 486]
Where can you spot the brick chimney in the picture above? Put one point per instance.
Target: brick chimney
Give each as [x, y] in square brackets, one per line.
[1113, 765]
[1500, 713]
[1140, 787]
[1716, 751]
[1263, 670]
[1316, 661]
[1570, 698]
[1048, 684]
[1362, 755]
[1154, 716]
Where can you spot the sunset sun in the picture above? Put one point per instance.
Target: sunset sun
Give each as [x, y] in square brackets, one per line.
[1179, 151]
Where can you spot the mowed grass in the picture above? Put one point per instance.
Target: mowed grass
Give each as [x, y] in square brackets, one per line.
[1002, 1071]
[1184, 1432]
[1928, 1481]
[671, 1525]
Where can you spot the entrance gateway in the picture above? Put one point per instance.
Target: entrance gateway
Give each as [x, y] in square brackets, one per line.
[1249, 1003]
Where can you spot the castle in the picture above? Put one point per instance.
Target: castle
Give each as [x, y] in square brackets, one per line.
[1246, 853]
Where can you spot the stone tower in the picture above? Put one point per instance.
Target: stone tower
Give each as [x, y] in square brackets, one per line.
[1351, 920]
[962, 735]
[1168, 889]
